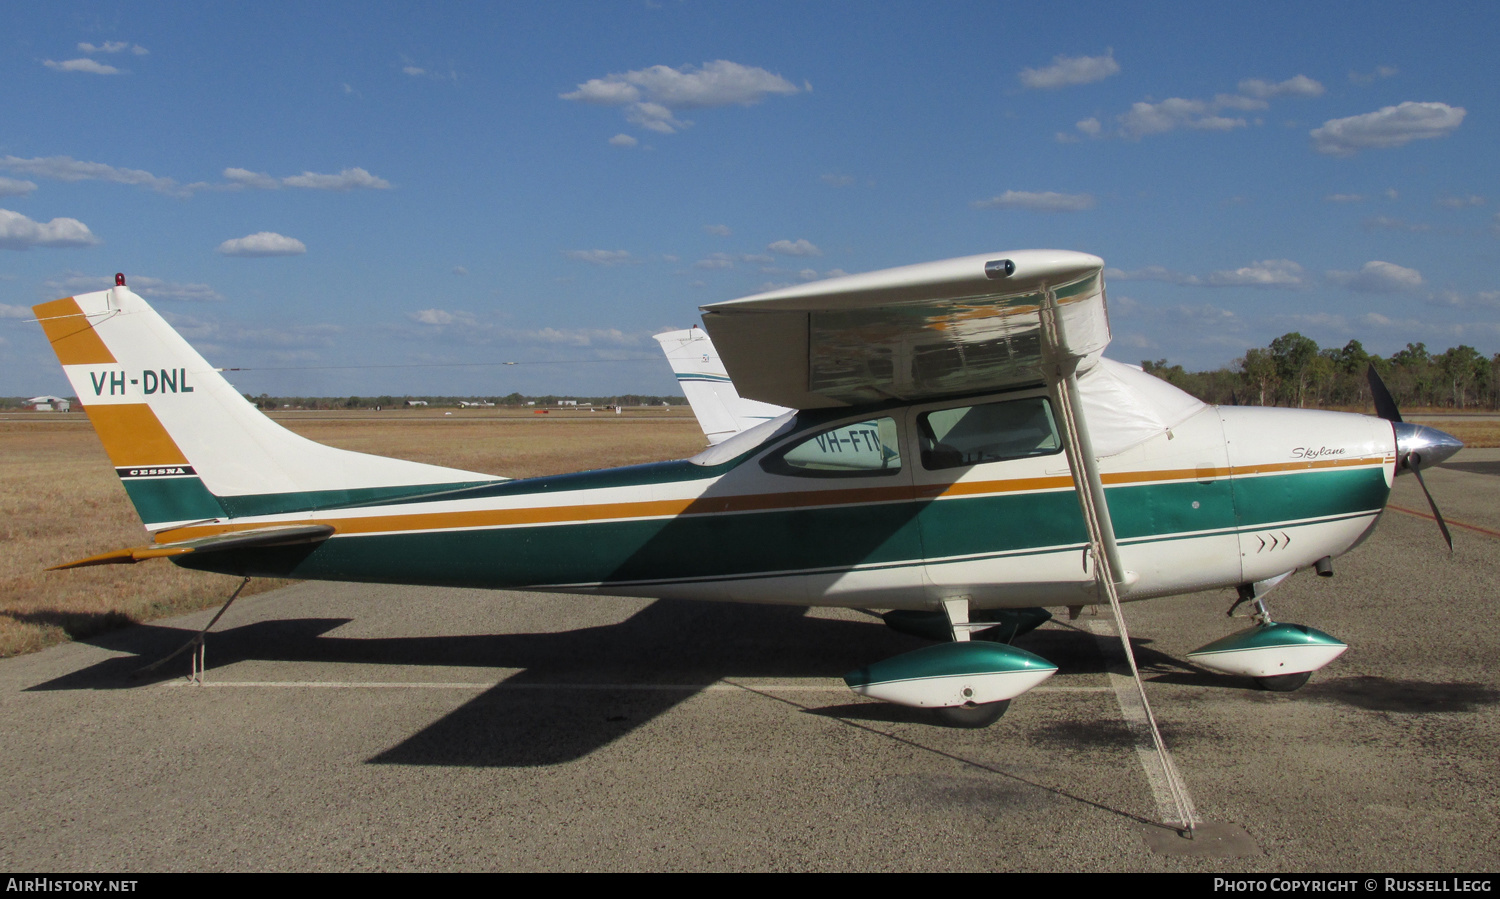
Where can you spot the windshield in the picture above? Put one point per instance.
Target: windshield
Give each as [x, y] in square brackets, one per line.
[745, 441]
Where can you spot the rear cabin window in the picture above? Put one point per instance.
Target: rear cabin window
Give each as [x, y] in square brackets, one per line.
[862, 449]
[971, 435]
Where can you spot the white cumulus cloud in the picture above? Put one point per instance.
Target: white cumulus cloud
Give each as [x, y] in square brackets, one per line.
[247, 178]
[1069, 70]
[1173, 113]
[1372, 77]
[92, 66]
[1270, 273]
[1379, 277]
[1391, 126]
[715, 260]
[66, 168]
[17, 232]
[1039, 201]
[442, 317]
[651, 95]
[263, 243]
[623, 140]
[10, 187]
[348, 179]
[798, 247]
[601, 257]
[113, 47]
[1296, 86]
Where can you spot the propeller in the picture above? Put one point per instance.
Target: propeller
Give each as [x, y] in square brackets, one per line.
[1417, 446]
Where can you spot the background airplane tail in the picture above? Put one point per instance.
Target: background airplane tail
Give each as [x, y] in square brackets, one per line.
[186, 444]
[718, 406]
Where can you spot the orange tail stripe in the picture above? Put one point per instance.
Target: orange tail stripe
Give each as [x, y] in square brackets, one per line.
[72, 334]
[133, 435]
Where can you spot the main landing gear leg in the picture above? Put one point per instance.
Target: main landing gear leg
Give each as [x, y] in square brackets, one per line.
[970, 714]
[197, 644]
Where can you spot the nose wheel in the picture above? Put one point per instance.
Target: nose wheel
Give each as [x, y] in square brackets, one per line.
[980, 715]
[1284, 683]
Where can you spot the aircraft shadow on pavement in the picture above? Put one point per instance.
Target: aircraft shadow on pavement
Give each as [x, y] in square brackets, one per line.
[1386, 694]
[533, 718]
[1474, 467]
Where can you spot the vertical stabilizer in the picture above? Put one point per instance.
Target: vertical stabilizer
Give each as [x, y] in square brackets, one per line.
[186, 444]
[719, 408]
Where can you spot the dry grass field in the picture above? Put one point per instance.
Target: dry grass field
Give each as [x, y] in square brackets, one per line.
[60, 500]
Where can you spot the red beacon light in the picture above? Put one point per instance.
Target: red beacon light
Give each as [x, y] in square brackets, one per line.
[119, 279]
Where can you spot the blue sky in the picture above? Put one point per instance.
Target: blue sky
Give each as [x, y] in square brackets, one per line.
[302, 186]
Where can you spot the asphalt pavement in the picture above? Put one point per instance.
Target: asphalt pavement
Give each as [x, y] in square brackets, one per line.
[357, 727]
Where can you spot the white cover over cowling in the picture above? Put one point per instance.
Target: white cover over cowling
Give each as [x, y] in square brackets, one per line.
[1125, 406]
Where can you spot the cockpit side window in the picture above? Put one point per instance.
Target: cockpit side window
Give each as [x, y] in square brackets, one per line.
[971, 435]
[862, 449]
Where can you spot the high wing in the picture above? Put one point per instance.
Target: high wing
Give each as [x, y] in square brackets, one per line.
[918, 332]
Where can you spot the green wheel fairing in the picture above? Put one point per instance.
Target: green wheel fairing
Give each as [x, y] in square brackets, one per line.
[1272, 636]
[948, 660]
[1271, 651]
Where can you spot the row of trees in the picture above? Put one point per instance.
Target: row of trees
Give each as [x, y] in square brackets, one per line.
[1293, 371]
[265, 401]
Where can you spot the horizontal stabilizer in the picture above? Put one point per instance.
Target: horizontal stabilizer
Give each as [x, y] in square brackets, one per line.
[259, 539]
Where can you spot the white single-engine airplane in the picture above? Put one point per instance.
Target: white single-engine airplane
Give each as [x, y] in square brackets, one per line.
[961, 455]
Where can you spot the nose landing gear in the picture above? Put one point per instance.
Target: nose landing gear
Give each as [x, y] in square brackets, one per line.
[1281, 657]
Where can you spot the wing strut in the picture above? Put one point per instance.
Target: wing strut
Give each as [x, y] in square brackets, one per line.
[1061, 372]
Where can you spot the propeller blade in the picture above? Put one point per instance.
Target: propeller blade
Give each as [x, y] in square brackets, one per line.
[1385, 406]
[1416, 469]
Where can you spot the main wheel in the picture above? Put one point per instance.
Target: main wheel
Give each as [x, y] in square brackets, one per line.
[982, 715]
[1284, 683]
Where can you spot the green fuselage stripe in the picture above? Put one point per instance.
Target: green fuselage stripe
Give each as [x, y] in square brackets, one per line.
[754, 544]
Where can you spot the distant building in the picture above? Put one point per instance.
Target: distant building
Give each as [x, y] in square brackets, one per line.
[50, 404]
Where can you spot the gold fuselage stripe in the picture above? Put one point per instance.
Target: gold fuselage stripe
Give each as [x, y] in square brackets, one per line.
[580, 514]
